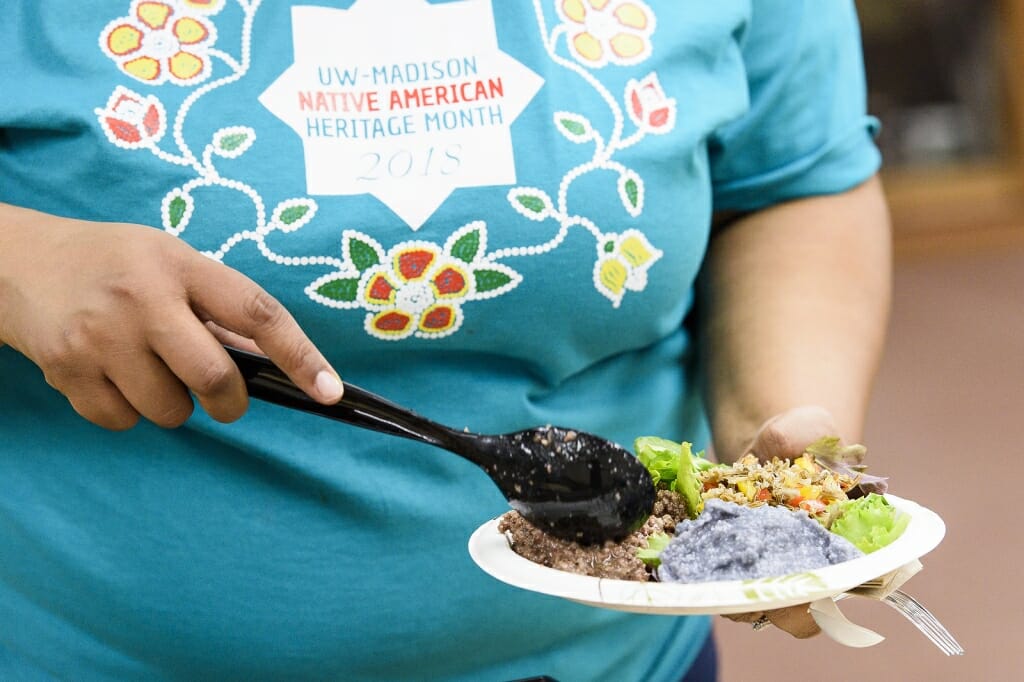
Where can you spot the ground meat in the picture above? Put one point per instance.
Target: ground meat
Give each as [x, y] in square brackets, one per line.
[671, 504]
[611, 560]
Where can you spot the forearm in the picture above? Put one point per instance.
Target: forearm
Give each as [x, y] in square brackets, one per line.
[14, 224]
[794, 306]
[22, 231]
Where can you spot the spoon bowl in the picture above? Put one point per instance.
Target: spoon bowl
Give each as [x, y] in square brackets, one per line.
[571, 484]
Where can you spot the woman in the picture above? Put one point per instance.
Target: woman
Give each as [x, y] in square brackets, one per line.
[497, 214]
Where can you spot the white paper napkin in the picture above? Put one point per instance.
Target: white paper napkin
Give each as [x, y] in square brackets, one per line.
[840, 628]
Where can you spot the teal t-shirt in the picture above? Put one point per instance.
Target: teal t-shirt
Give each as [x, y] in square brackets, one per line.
[491, 212]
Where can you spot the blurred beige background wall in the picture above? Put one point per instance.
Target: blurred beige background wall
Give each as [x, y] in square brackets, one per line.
[946, 422]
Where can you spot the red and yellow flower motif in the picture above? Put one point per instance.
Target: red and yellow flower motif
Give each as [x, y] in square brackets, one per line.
[648, 106]
[160, 42]
[418, 290]
[131, 120]
[607, 31]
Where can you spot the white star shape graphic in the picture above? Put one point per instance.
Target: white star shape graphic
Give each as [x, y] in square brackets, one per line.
[403, 100]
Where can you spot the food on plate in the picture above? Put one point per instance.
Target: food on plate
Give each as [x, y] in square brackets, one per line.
[869, 522]
[673, 467]
[618, 560]
[730, 541]
[824, 488]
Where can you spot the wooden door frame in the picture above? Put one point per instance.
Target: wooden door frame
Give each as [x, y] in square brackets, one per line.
[971, 205]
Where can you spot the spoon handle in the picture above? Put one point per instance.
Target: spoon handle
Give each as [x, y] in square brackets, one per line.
[265, 381]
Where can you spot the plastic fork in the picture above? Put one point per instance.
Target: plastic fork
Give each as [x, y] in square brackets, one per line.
[923, 620]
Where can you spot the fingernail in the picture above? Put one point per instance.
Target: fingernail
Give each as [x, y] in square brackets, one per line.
[328, 385]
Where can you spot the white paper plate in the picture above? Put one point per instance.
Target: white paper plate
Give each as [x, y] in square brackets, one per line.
[491, 552]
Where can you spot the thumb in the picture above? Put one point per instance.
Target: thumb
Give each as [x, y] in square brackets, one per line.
[787, 435]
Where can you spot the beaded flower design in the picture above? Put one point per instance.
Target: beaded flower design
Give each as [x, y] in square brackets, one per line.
[163, 41]
[601, 32]
[414, 288]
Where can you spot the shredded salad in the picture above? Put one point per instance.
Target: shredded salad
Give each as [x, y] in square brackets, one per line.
[819, 482]
[800, 484]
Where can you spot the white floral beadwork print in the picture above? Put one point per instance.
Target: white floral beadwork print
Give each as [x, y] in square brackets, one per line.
[131, 120]
[415, 288]
[598, 33]
[602, 32]
[164, 41]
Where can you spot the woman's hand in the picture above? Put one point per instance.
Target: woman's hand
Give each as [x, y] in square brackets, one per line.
[126, 321]
[786, 436]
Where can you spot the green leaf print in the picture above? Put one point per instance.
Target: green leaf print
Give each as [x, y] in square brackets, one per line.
[489, 280]
[531, 203]
[233, 141]
[293, 213]
[573, 126]
[631, 192]
[363, 255]
[340, 289]
[467, 246]
[176, 208]
[230, 143]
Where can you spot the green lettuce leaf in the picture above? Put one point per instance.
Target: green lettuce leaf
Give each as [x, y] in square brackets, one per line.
[687, 484]
[676, 466]
[660, 456]
[655, 543]
[869, 522]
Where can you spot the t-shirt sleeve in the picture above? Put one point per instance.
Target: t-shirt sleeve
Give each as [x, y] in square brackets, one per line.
[806, 131]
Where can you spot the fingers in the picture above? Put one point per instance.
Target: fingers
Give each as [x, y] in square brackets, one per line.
[102, 403]
[198, 360]
[787, 435]
[795, 620]
[122, 333]
[229, 338]
[151, 388]
[89, 391]
[239, 305]
[133, 340]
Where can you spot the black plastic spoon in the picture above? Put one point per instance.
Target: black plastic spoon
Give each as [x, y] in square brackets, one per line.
[571, 484]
